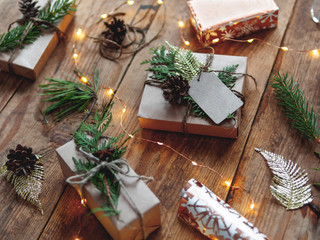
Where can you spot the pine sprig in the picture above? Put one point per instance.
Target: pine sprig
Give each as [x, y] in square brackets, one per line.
[69, 96]
[226, 76]
[295, 106]
[51, 14]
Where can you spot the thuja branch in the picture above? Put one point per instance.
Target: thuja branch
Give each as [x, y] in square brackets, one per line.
[296, 106]
[48, 15]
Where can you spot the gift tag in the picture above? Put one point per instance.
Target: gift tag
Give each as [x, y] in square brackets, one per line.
[213, 97]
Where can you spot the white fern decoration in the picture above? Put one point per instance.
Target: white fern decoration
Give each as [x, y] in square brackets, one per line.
[289, 183]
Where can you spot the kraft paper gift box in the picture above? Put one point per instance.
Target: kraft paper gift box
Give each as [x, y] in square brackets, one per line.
[127, 225]
[29, 61]
[217, 20]
[214, 218]
[156, 113]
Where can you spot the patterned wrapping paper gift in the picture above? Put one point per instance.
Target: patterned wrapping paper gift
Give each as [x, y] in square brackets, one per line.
[217, 20]
[202, 209]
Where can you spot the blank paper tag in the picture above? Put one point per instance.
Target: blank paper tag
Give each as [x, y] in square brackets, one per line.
[213, 97]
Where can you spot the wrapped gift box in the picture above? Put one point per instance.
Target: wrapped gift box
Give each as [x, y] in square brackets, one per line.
[127, 225]
[156, 113]
[30, 60]
[210, 215]
[216, 20]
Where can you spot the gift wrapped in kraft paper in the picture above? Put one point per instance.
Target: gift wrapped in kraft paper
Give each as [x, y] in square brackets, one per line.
[210, 215]
[29, 61]
[157, 113]
[127, 225]
[218, 20]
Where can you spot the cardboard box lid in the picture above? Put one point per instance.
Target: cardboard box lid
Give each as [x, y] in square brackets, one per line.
[211, 14]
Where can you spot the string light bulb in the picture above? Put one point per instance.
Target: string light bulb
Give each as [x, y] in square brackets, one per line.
[215, 40]
[187, 43]
[315, 52]
[181, 24]
[284, 48]
[194, 163]
[80, 34]
[227, 183]
[252, 206]
[84, 79]
[124, 110]
[104, 16]
[110, 91]
[75, 55]
[83, 201]
[160, 1]
[130, 2]
[250, 40]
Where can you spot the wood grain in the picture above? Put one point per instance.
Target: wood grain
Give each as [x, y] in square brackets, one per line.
[263, 125]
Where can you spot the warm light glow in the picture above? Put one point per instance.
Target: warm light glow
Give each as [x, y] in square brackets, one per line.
[83, 201]
[160, 2]
[187, 43]
[75, 55]
[124, 110]
[84, 79]
[227, 183]
[193, 21]
[284, 48]
[194, 163]
[110, 91]
[215, 40]
[250, 40]
[80, 34]
[181, 24]
[315, 52]
[160, 143]
[252, 206]
[204, 229]
[131, 136]
[104, 16]
[130, 2]
[77, 238]
[235, 23]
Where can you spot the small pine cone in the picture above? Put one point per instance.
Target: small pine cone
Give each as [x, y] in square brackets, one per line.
[105, 154]
[21, 161]
[175, 88]
[116, 30]
[28, 8]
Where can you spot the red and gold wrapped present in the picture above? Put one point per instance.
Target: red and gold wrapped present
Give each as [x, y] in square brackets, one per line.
[211, 216]
[157, 113]
[127, 225]
[217, 20]
[29, 61]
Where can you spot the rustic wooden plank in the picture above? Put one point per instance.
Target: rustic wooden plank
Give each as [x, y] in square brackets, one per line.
[271, 131]
[169, 170]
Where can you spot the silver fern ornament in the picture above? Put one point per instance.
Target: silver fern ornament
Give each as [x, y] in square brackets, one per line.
[289, 182]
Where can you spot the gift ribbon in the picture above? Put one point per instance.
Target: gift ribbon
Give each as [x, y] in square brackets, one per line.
[113, 166]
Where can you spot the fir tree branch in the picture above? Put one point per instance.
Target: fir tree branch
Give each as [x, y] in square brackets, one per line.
[295, 106]
[51, 14]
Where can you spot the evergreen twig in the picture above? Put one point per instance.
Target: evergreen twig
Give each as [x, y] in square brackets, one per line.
[295, 106]
[69, 96]
[51, 14]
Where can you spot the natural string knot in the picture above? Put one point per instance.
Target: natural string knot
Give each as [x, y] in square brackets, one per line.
[114, 167]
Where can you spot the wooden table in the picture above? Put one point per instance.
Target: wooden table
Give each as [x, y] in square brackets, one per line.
[263, 125]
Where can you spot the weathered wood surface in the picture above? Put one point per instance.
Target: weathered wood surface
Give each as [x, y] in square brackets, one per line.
[263, 125]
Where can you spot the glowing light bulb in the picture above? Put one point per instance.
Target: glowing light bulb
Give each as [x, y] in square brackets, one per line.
[193, 21]
[227, 183]
[130, 2]
[315, 52]
[131, 136]
[75, 55]
[181, 24]
[250, 40]
[187, 43]
[104, 16]
[80, 34]
[194, 163]
[83, 201]
[235, 23]
[160, 143]
[160, 1]
[284, 48]
[124, 110]
[77, 238]
[215, 40]
[252, 206]
[110, 91]
[84, 79]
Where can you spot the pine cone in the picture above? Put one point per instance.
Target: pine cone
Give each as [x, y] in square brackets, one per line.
[21, 161]
[105, 154]
[28, 8]
[175, 88]
[116, 30]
